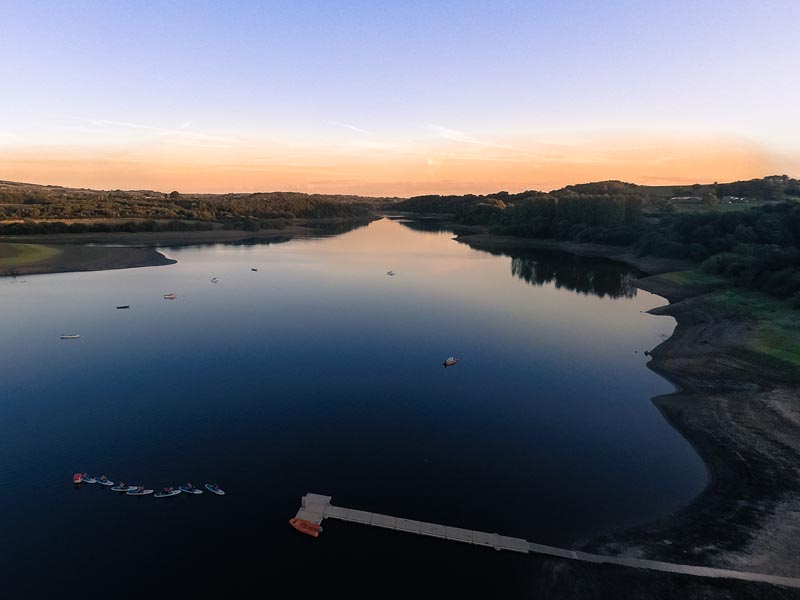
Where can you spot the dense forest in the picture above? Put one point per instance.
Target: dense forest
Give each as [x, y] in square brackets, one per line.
[756, 246]
[28, 209]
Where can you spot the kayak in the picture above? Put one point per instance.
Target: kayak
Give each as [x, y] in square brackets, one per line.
[123, 488]
[106, 482]
[137, 492]
[166, 494]
[169, 296]
[450, 362]
[214, 489]
[77, 478]
[88, 479]
[188, 490]
[70, 336]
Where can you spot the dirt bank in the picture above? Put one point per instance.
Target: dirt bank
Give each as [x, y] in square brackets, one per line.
[741, 412]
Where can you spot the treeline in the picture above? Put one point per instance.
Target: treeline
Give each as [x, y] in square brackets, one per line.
[756, 248]
[50, 227]
[19, 201]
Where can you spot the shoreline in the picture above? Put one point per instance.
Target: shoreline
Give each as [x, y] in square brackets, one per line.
[76, 252]
[740, 412]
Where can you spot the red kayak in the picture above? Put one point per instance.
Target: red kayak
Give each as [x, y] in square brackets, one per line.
[77, 478]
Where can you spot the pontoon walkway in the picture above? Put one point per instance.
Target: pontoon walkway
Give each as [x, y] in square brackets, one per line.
[316, 507]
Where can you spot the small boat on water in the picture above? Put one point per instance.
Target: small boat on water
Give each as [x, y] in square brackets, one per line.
[254, 269]
[125, 306]
[103, 480]
[391, 273]
[167, 493]
[169, 296]
[138, 491]
[122, 487]
[214, 280]
[215, 489]
[88, 478]
[77, 478]
[306, 527]
[70, 336]
[449, 362]
[190, 489]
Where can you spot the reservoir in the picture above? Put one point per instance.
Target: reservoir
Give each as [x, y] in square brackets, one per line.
[305, 367]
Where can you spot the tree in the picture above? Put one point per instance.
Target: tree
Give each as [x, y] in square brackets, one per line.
[710, 199]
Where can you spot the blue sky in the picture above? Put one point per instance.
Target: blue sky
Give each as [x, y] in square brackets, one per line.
[92, 78]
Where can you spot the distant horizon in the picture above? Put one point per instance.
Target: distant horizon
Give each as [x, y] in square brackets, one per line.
[322, 193]
[397, 99]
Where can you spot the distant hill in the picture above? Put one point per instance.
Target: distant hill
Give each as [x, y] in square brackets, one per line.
[25, 201]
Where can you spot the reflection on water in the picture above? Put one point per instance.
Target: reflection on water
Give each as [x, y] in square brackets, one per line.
[575, 273]
[305, 368]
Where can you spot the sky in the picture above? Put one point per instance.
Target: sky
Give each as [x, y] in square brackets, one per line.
[396, 98]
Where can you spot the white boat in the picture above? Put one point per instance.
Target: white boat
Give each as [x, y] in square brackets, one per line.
[169, 296]
[70, 336]
[449, 362]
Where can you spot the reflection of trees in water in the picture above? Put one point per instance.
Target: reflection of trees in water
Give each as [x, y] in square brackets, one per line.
[575, 273]
[337, 228]
[431, 224]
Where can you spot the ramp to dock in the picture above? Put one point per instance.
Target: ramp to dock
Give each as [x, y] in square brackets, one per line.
[316, 507]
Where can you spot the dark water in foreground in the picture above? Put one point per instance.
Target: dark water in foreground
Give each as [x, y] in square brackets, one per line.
[320, 373]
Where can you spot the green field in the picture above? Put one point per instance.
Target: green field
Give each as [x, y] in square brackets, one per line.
[20, 255]
[777, 324]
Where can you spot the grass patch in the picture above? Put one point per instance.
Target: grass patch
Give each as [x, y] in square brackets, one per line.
[20, 255]
[777, 324]
[695, 277]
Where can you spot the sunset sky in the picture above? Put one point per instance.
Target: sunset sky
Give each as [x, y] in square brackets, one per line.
[397, 98]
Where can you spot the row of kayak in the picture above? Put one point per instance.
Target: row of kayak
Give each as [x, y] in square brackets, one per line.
[138, 490]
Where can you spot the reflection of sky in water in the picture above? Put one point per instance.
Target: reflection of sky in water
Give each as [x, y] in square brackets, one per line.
[321, 373]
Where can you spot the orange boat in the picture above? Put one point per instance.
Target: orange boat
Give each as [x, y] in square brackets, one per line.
[77, 478]
[306, 527]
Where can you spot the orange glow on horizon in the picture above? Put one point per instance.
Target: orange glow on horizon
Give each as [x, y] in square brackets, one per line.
[425, 167]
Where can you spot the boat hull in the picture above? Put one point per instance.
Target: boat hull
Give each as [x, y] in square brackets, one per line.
[306, 527]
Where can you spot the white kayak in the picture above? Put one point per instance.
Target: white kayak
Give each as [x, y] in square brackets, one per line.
[167, 493]
[106, 482]
[88, 479]
[190, 490]
[123, 488]
[70, 336]
[214, 489]
[138, 492]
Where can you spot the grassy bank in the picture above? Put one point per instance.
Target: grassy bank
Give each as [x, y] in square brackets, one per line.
[21, 255]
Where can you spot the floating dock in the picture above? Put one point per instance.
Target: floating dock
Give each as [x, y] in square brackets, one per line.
[316, 507]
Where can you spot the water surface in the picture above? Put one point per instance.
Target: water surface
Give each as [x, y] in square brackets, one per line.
[320, 373]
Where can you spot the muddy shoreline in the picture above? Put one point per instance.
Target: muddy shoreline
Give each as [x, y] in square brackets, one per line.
[738, 409]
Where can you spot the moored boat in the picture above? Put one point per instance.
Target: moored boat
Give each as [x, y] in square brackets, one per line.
[214, 489]
[449, 362]
[123, 487]
[307, 527]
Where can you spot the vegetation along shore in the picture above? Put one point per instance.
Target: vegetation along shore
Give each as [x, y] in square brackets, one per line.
[727, 256]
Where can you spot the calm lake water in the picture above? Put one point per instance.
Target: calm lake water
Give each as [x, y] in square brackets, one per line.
[320, 373]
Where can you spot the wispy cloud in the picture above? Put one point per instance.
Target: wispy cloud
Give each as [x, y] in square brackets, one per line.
[464, 138]
[182, 133]
[350, 127]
